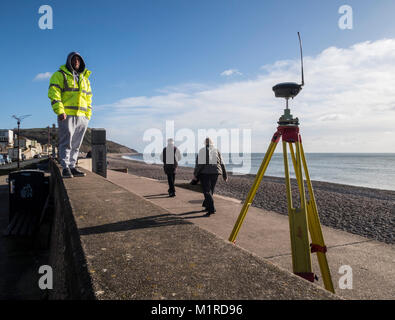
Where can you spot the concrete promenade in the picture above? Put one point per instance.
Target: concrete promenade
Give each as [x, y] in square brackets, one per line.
[109, 243]
[266, 234]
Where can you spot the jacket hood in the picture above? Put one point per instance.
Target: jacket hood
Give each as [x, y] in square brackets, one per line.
[68, 62]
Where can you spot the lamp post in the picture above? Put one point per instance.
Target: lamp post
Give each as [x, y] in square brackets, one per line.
[49, 140]
[53, 140]
[19, 119]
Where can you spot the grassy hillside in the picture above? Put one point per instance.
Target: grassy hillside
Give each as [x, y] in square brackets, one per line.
[41, 135]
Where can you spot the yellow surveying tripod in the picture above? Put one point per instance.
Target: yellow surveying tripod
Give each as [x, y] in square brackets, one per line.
[301, 220]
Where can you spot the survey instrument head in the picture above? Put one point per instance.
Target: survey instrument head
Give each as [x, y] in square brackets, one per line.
[290, 89]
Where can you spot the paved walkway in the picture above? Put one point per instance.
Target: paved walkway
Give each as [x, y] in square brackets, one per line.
[266, 234]
[135, 249]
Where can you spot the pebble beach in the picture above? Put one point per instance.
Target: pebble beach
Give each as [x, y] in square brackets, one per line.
[363, 211]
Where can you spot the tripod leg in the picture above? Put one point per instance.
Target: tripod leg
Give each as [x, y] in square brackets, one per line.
[287, 179]
[295, 165]
[301, 258]
[317, 239]
[254, 188]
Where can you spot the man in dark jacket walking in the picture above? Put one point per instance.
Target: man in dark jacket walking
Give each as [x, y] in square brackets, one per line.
[170, 157]
[209, 165]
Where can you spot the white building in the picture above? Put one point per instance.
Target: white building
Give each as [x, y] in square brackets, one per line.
[14, 152]
[25, 142]
[36, 147]
[6, 137]
[46, 149]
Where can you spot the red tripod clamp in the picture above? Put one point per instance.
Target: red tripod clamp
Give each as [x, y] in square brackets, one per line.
[318, 248]
[310, 276]
[289, 133]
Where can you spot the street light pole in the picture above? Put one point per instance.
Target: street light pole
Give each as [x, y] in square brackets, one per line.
[49, 140]
[19, 143]
[19, 119]
[54, 136]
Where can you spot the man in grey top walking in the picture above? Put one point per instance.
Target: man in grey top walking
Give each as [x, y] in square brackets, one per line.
[209, 165]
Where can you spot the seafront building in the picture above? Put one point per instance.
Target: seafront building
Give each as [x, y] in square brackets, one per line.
[23, 141]
[47, 149]
[6, 138]
[9, 144]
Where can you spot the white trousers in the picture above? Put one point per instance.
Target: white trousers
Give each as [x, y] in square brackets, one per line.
[71, 134]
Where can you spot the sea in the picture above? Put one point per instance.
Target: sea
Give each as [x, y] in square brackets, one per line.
[372, 170]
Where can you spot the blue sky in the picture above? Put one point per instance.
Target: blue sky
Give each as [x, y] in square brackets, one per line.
[146, 54]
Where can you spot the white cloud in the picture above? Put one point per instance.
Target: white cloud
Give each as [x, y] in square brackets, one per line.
[185, 87]
[346, 105]
[231, 72]
[331, 117]
[42, 76]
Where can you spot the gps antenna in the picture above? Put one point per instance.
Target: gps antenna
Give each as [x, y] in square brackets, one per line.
[289, 90]
[301, 58]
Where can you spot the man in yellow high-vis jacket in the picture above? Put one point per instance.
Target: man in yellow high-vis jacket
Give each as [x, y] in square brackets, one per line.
[71, 99]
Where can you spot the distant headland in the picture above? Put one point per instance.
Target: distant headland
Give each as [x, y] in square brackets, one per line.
[41, 135]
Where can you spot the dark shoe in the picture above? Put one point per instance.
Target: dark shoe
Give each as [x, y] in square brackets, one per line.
[77, 173]
[212, 212]
[207, 214]
[171, 195]
[66, 173]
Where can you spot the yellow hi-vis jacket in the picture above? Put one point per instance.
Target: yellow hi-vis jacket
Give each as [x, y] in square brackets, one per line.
[69, 96]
